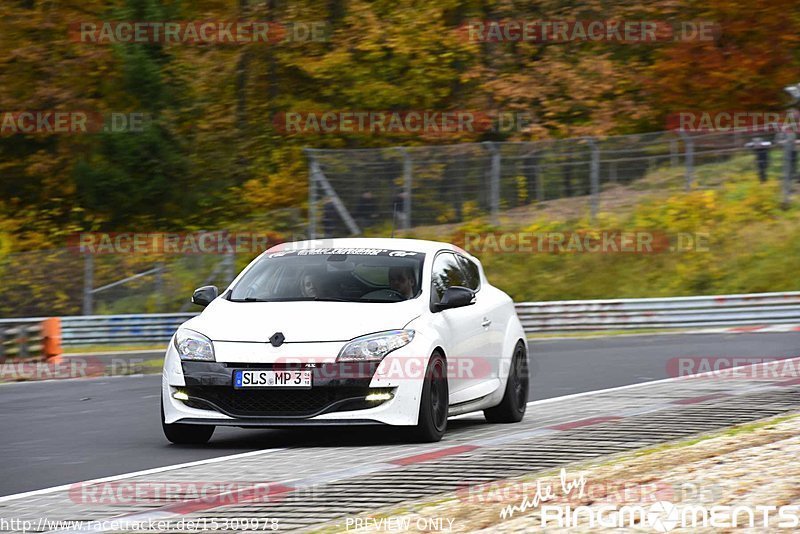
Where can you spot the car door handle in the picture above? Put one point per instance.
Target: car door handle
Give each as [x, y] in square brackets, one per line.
[486, 322]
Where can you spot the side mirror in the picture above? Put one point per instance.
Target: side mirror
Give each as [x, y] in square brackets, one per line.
[203, 296]
[455, 297]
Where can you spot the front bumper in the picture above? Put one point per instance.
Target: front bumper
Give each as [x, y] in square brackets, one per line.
[338, 395]
[336, 387]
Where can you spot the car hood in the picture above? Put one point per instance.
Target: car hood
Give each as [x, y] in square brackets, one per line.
[300, 322]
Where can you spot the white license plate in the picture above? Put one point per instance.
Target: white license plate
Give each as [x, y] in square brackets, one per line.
[266, 378]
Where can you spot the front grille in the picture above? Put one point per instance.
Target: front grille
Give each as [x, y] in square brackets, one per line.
[277, 403]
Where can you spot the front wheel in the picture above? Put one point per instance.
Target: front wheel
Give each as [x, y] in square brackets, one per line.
[181, 434]
[512, 408]
[434, 403]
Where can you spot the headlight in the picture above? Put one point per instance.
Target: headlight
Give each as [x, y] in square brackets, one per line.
[374, 346]
[193, 345]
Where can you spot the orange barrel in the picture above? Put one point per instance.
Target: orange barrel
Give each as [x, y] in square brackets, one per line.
[51, 338]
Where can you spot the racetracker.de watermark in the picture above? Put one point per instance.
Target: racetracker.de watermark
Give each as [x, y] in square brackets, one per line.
[565, 31]
[605, 491]
[149, 524]
[198, 32]
[735, 367]
[394, 368]
[586, 241]
[69, 367]
[700, 121]
[146, 243]
[406, 122]
[74, 122]
[210, 493]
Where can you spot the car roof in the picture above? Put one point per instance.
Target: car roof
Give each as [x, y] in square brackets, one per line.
[414, 245]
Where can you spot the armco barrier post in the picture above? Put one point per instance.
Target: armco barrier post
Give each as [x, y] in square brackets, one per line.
[22, 342]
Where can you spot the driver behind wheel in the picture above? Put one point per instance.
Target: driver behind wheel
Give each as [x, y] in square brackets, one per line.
[403, 281]
[308, 286]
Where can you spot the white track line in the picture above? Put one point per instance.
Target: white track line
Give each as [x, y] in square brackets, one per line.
[123, 476]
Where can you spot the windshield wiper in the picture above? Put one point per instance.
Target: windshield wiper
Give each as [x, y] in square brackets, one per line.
[332, 299]
[249, 299]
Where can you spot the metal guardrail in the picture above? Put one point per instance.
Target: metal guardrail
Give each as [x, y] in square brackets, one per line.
[553, 316]
[120, 329]
[673, 312]
[20, 338]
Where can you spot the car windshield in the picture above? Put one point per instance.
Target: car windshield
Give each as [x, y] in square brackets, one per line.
[350, 275]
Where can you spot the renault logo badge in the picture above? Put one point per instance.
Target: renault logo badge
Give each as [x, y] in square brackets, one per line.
[277, 339]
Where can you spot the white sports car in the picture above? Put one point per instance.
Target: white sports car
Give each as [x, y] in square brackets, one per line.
[345, 332]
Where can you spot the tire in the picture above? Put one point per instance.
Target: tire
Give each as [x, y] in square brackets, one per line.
[434, 403]
[186, 434]
[512, 408]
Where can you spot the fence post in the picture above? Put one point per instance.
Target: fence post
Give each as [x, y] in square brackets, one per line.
[788, 157]
[530, 166]
[673, 152]
[160, 266]
[494, 182]
[539, 179]
[230, 266]
[594, 177]
[88, 282]
[689, 157]
[313, 169]
[408, 178]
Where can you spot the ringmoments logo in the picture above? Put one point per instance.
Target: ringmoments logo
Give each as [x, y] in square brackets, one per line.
[665, 516]
[572, 501]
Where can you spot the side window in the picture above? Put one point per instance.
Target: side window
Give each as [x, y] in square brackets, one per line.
[472, 275]
[446, 273]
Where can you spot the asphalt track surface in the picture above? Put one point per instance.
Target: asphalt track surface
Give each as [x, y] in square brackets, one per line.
[60, 432]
